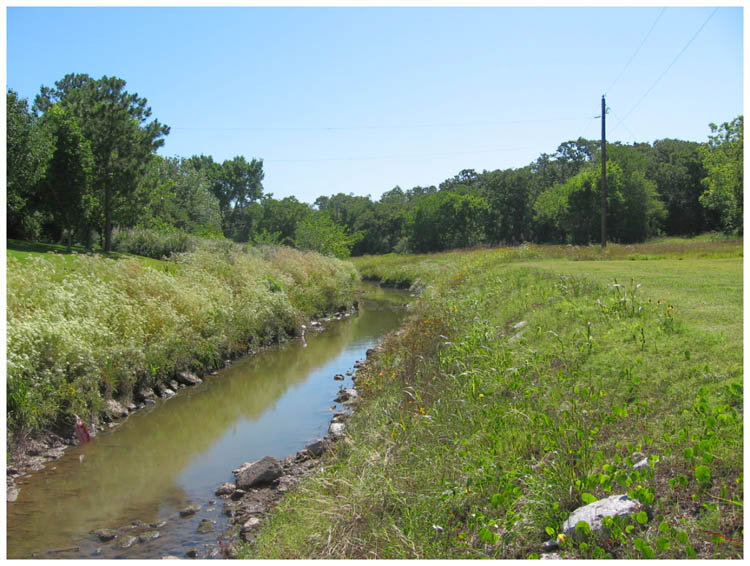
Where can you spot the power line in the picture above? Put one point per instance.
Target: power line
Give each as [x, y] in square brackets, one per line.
[413, 156]
[625, 126]
[376, 127]
[668, 67]
[636, 51]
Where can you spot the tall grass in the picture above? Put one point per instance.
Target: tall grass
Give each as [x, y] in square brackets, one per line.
[91, 328]
[519, 391]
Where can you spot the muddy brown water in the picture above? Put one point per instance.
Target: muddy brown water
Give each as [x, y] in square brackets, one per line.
[176, 453]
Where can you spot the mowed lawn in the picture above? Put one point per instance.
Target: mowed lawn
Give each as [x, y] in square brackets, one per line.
[707, 292]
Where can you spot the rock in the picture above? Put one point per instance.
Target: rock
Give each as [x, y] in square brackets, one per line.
[173, 385]
[115, 410]
[520, 325]
[230, 509]
[170, 557]
[55, 453]
[550, 556]
[166, 393]
[339, 377]
[190, 510]
[262, 472]
[336, 430]
[316, 448]
[158, 525]
[340, 416]
[126, 541]
[593, 513]
[130, 406]
[105, 535]
[206, 526]
[225, 489]
[346, 396]
[238, 494]
[12, 494]
[145, 394]
[192, 553]
[188, 378]
[370, 352]
[148, 535]
[250, 524]
[140, 524]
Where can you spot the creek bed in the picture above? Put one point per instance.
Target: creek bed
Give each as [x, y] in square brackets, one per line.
[164, 459]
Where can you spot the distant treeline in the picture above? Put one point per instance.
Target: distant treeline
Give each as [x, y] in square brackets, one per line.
[82, 168]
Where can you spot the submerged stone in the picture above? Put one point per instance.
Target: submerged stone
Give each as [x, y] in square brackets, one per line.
[190, 510]
[105, 535]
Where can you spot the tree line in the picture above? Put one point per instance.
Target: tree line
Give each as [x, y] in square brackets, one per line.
[82, 165]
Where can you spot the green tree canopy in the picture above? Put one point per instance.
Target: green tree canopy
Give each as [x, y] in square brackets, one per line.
[318, 232]
[28, 151]
[723, 160]
[122, 138]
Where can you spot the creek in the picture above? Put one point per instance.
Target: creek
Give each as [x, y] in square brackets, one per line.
[176, 453]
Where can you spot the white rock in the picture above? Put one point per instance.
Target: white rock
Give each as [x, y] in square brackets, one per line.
[593, 513]
[336, 429]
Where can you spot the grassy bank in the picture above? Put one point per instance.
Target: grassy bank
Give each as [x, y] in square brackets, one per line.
[528, 382]
[85, 328]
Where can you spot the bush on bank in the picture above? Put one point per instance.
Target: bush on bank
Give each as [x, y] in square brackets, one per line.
[81, 332]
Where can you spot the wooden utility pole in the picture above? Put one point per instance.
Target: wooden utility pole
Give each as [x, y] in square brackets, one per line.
[604, 174]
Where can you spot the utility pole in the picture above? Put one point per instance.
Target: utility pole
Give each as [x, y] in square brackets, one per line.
[604, 174]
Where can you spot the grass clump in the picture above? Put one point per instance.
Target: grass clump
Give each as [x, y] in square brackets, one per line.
[153, 243]
[85, 328]
[521, 389]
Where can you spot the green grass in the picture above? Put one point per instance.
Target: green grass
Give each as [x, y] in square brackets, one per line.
[84, 328]
[59, 253]
[477, 437]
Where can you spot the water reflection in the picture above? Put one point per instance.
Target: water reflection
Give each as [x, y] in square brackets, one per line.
[164, 459]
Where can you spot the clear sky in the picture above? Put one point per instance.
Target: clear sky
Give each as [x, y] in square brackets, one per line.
[359, 100]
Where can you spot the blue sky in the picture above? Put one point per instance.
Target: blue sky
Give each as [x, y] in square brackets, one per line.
[358, 100]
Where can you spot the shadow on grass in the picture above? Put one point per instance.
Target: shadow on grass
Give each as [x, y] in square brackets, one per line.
[22, 249]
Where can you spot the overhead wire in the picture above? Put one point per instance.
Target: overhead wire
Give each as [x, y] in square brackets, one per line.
[648, 91]
[373, 127]
[397, 156]
[635, 53]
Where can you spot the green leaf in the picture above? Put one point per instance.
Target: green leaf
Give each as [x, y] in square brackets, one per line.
[642, 517]
[549, 530]
[587, 498]
[703, 474]
[487, 536]
[663, 544]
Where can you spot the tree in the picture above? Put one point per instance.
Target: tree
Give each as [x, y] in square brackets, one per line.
[319, 233]
[178, 196]
[28, 151]
[281, 218]
[67, 188]
[122, 139]
[465, 177]
[723, 160]
[511, 195]
[571, 211]
[677, 170]
[447, 220]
